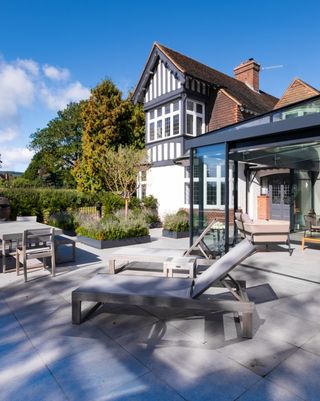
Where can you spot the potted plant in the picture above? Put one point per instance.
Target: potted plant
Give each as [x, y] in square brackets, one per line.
[176, 225]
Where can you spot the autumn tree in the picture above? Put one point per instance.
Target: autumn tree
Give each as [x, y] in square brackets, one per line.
[120, 169]
[58, 146]
[109, 122]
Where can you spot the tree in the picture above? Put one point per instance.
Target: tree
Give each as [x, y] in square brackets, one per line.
[109, 122]
[120, 171]
[58, 147]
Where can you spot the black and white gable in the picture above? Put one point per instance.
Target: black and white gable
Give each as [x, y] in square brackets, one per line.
[159, 79]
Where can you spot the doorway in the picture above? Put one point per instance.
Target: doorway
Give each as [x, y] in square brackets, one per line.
[279, 191]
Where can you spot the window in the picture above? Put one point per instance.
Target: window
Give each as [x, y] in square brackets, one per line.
[190, 124]
[194, 118]
[167, 126]
[151, 131]
[163, 121]
[176, 124]
[143, 191]
[159, 129]
[211, 193]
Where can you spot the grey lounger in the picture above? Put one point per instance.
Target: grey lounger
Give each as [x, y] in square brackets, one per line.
[173, 292]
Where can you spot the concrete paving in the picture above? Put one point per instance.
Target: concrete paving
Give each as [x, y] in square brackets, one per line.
[155, 354]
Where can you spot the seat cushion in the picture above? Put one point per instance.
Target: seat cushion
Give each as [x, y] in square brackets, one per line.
[144, 286]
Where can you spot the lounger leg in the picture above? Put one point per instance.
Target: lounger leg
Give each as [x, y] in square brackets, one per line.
[76, 312]
[289, 246]
[112, 266]
[247, 325]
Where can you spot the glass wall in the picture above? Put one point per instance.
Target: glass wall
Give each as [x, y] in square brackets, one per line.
[302, 192]
[210, 194]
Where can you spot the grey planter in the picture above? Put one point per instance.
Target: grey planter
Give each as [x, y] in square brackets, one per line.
[175, 234]
[102, 244]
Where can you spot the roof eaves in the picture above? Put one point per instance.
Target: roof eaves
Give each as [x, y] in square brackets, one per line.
[174, 62]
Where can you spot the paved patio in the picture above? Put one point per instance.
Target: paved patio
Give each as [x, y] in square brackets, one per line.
[152, 354]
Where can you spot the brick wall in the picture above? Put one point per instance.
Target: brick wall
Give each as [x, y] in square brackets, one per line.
[298, 90]
[225, 112]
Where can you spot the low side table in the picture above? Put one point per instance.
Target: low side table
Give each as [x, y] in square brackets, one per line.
[60, 240]
[182, 264]
[315, 240]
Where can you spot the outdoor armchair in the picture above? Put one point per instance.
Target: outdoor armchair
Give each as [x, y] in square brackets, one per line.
[312, 224]
[36, 244]
[174, 292]
[263, 231]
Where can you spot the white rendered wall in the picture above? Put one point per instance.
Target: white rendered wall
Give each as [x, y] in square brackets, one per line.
[167, 185]
[241, 187]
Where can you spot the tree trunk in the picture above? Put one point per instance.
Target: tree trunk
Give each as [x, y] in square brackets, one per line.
[126, 208]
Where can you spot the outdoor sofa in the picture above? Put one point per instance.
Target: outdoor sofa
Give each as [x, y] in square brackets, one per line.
[263, 231]
[187, 294]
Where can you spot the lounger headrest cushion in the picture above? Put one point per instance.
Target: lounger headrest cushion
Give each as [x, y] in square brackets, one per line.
[245, 218]
[218, 270]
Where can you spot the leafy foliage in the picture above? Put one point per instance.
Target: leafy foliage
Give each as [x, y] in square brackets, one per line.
[109, 122]
[115, 227]
[57, 148]
[43, 202]
[178, 222]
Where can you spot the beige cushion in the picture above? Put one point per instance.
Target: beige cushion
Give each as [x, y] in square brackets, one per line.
[245, 218]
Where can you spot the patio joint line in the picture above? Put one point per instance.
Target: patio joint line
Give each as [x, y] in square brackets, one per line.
[280, 274]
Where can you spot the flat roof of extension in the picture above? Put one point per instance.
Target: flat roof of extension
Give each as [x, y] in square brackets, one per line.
[271, 127]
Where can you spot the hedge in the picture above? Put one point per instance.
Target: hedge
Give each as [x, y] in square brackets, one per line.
[43, 202]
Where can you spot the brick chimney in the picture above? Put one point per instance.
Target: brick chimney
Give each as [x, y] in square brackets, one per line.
[248, 72]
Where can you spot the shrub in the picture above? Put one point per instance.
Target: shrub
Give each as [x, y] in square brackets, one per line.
[115, 227]
[176, 222]
[62, 220]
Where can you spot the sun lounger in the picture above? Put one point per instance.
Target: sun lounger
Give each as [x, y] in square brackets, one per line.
[181, 293]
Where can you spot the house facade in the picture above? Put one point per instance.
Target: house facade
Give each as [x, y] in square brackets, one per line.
[238, 147]
[183, 99]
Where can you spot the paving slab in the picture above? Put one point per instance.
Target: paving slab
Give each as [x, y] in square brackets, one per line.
[147, 387]
[194, 371]
[265, 390]
[92, 373]
[258, 354]
[299, 374]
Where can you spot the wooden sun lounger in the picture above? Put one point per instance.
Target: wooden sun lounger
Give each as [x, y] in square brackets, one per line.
[173, 292]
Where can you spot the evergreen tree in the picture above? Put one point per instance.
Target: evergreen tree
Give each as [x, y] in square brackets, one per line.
[109, 122]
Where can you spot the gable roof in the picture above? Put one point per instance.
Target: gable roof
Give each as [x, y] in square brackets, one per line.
[256, 102]
[298, 90]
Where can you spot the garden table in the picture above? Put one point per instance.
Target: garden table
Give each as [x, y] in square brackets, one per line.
[13, 230]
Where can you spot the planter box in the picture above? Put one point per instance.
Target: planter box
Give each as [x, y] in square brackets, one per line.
[112, 243]
[175, 234]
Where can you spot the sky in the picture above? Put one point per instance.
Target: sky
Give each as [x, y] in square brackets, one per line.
[54, 52]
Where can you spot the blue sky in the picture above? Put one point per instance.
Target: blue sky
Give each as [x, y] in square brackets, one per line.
[53, 52]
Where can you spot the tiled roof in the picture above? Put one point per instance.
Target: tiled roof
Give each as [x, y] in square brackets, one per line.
[298, 90]
[257, 102]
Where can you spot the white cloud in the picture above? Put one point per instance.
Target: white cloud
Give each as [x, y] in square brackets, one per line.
[8, 134]
[15, 158]
[26, 84]
[55, 73]
[16, 89]
[29, 65]
[58, 99]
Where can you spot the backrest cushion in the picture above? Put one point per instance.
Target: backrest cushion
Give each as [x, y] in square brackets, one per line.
[245, 218]
[218, 270]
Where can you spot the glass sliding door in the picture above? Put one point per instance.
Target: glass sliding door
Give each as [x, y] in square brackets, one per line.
[210, 181]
